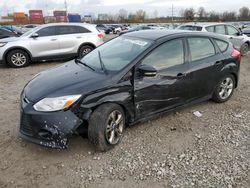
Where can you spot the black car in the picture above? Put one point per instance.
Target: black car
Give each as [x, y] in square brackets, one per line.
[4, 33]
[104, 28]
[127, 80]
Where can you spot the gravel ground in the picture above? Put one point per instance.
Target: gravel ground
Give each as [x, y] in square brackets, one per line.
[175, 150]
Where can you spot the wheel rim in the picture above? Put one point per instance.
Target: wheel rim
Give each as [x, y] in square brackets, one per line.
[226, 88]
[18, 59]
[85, 51]
[244, 49]
[115, 126]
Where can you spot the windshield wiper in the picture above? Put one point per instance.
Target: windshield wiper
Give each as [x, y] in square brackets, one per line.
[101, 63]
[86, 65]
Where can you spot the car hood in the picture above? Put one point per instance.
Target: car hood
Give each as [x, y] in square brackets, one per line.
[68, 79]
[10, 39]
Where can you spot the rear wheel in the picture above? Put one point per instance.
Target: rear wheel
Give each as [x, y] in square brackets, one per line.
[18, 58]
[244, 49]
[84, 50]
[224, 90]
[106, 126]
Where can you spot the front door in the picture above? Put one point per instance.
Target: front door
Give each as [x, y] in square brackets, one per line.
[170, 87]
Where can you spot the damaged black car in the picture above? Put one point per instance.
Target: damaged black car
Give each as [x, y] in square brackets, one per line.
[125, 81]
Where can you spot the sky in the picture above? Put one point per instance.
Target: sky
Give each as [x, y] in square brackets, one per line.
[163, 7]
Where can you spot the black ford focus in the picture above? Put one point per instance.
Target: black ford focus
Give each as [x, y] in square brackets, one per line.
[126, 80]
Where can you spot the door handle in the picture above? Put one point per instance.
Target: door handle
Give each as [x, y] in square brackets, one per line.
[231, 38]
[53, 39]
[78, 37]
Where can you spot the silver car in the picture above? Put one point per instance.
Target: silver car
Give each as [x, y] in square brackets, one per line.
[50, 42]
[240, 41]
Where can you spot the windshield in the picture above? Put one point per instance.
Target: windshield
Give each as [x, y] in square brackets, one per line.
[117, 53]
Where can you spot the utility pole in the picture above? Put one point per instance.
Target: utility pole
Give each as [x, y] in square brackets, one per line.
[172, 12]
[66, 6]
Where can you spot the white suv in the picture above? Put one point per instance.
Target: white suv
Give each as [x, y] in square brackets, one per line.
[50, 42]
[240, 41]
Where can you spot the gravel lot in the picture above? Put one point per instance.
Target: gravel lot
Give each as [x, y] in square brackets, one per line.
[175, 150]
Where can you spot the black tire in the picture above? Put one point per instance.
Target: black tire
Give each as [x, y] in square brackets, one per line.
[98, 126]
[221, 86]
[84, 50]
[18, 59]
[244, 49]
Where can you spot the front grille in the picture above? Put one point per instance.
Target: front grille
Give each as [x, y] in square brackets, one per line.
[26, 126]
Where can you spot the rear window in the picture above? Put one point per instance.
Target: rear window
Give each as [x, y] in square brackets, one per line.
[210, 29]
[200, 48]
[190, 28]
[220, 29]
[221, 44]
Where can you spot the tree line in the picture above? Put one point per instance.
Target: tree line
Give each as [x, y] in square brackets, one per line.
[185, 15]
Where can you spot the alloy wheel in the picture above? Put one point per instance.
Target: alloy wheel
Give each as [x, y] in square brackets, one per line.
[226, 88]
[115, 127]
[18, 59]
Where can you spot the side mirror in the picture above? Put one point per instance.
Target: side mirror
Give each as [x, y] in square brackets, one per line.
[34, 35]
[147, 71]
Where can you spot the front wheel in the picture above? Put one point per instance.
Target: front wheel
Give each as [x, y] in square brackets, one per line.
[224, 90]
[106, 126]
[18, 58]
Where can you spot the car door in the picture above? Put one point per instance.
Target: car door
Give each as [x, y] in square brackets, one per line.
[234, 36]
[68, 39]
[46, 44]
[169, 88]
[203, 59]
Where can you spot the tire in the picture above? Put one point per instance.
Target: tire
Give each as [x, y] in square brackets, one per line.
[244, 49]
[224, 90]
[18, 59]
[103, 133]
[84, 50]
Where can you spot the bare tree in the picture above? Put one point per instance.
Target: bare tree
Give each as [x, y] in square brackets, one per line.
[155, 14]
[229, 16]
[244, 13]
[189, 14]
[201, 13]
[140, 15]
[123, 15]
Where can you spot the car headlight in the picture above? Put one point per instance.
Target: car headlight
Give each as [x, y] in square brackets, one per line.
[2, 44]
[55, 104]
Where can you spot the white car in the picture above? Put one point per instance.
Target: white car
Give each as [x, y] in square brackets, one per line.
[240, 41]
[50, 42]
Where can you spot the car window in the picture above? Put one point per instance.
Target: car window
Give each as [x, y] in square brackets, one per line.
[232, 31]
[200, 48]
[167, 55]
[220, 29]
[64, 30]
[47, 31]
[81, 29]
[221, 44]
[210, 28]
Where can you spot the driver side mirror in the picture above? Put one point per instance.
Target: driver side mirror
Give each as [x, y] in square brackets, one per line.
[147, 71]
[34, 35]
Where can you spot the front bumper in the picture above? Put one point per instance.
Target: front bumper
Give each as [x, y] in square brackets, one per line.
[47, 129]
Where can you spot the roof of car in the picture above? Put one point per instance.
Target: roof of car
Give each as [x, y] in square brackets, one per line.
[204, 24]
[158, 34]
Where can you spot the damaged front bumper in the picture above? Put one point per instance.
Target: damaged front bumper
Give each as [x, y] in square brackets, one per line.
[50, 129]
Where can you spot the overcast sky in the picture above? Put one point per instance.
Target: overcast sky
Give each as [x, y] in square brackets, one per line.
[112, 6]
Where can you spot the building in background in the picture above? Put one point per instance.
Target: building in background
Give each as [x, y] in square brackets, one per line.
[36, 16]
[103, 17]
[20, 18]
[49, 19]
[87, 18]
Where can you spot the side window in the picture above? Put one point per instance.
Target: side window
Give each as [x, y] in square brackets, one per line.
[220, 29]
[167, 55]
[81, 29]
[210, 29]
[48, 31]
[221, 44]
[200, 48]
[64, 30]
[232, 31]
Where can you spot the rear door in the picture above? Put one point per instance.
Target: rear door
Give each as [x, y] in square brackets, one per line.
[204, 57]
[169, 88]
[234, 36]
[46, 44]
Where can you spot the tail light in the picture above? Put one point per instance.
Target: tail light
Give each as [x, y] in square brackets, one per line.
[101, 36]
[236, 54]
